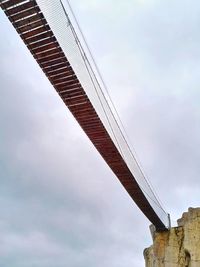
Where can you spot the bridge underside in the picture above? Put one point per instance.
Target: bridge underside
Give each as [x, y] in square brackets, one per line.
[31, 25]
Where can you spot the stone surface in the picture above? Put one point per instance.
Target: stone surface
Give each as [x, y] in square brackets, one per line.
[178, 247]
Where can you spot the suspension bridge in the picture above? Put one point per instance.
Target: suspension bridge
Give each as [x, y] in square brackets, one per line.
[46, 29]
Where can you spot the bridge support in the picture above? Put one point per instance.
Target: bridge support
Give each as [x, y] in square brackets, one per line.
[179, 246]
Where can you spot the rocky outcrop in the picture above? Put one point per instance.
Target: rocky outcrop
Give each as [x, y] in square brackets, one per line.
[178, 247]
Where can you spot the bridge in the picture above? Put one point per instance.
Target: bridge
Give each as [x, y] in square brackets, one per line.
[47, 31]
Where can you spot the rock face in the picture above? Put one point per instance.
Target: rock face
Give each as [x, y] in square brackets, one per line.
[178, 247]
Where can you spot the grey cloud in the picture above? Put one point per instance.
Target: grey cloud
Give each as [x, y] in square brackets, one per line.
[60, 204]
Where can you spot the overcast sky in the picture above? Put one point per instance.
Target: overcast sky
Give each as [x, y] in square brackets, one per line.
[60, 205]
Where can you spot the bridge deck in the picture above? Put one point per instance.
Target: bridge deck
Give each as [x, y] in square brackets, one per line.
[34, 30]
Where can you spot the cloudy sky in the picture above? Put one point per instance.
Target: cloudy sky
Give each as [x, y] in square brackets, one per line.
[60, 205]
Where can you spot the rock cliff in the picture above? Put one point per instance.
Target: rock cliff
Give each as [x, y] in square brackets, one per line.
[178, 247]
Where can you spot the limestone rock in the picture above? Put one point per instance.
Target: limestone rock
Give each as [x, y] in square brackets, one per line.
[178, 247]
